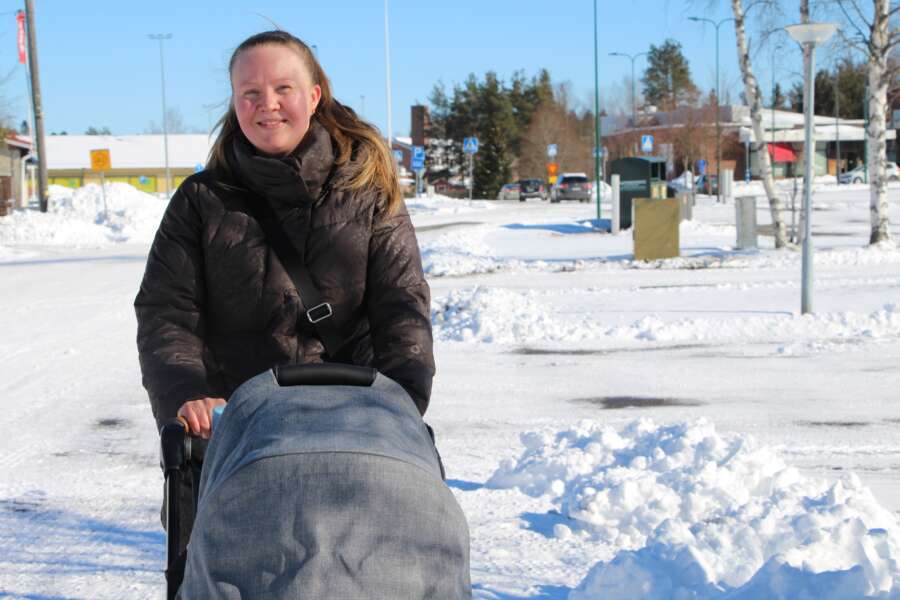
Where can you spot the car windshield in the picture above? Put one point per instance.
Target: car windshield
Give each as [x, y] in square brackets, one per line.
[575, 179]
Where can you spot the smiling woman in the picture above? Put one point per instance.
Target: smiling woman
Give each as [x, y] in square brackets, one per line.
[293, 246]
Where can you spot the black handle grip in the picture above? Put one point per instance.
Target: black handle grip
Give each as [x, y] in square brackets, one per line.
[175, 445]
[325, 374]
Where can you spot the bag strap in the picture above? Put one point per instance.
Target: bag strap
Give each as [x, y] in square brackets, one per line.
[318, 311]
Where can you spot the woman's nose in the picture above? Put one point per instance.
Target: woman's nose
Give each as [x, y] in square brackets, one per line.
[268, 100]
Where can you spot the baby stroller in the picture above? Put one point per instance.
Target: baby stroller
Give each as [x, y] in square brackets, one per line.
[320, 481]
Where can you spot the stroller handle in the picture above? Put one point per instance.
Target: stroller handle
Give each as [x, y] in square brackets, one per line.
[325, 374]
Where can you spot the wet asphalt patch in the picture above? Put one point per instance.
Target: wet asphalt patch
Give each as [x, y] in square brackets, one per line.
[112, 423]
[620, 402]
[841, 424]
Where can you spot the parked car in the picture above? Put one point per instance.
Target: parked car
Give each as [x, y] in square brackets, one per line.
[571, 186]
[531, 188]
[509, 191]
[858, 175]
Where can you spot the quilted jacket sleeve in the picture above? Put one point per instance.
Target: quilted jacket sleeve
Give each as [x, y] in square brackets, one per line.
[399, 306]
[170, 312]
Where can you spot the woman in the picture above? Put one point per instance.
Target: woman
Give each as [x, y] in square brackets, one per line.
[216, 306]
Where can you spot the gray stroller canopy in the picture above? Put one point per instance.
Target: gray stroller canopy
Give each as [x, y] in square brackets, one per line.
[325, 491]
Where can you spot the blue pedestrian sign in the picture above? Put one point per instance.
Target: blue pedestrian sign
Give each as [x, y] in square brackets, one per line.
[418, 158]
[551, 150]
[701, 167]
[647, 143]
[470, 145]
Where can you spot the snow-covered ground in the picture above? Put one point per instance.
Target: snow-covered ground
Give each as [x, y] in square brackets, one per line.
[611, 428]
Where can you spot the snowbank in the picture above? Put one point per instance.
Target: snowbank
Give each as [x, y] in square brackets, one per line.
[496, 315]
[78, 218]
[444, 205]
[698, 514]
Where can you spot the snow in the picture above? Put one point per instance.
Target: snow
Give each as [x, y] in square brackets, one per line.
[612, 428]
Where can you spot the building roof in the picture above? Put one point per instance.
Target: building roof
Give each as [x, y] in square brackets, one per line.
[128, 151]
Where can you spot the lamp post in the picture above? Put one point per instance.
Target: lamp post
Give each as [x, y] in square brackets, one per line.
[809, 35]
[631, 57]
[387, 78]
[598, 137]
[716, 24]
[162, 70]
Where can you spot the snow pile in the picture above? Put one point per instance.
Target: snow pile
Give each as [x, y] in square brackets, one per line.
[696, 514]
[460, 253]
[495, 315]
[79, 218]
[503, 316]
[444, 205]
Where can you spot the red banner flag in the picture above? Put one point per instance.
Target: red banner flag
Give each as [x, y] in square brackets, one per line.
[20, 19]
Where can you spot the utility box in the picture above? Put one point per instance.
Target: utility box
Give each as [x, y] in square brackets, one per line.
[639, 177]
[656, 228]
[745, 217]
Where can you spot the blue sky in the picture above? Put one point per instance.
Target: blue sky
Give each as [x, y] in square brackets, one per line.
[99, 68]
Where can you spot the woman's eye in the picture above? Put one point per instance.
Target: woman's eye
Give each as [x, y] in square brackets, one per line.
[283, 89]
[251, 94]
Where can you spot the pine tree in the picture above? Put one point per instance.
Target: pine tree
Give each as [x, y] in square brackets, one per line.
[778, 97]
[667, 79]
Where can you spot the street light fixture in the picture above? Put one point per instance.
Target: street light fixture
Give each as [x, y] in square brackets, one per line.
[808, 34]
[631, 57]
[716, 24]
[162, 70]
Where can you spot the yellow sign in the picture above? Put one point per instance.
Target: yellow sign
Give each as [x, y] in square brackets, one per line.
[100, 160]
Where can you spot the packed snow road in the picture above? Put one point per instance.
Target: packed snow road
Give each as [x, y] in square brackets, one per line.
[684, 418]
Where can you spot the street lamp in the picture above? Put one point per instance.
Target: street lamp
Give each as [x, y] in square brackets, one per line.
[808, 34]
[631, 57]
[162, 70]
[387, 77]
[598, 137]
[716, 24]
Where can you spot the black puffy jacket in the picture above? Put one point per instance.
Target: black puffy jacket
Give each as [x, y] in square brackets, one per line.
[216, 307]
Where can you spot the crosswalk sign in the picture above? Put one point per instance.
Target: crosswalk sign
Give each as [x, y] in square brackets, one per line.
[647, 143]
[470, 145]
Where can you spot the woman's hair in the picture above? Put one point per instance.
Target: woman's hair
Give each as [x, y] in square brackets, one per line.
[372, 163]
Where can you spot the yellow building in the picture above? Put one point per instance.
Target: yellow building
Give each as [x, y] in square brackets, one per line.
[135, 159]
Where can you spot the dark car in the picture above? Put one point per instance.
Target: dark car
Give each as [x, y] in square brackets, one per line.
[571, 186]
[708, 184]
[531, 188]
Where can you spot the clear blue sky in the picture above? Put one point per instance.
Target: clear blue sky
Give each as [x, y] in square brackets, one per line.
[99, 68]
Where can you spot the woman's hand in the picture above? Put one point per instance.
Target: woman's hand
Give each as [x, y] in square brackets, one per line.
[198, 414]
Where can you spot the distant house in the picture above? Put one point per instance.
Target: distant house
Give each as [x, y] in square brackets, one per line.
[13, 151]
[135, 159]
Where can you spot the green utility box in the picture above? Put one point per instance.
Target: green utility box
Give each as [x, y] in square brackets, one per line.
[639, 177]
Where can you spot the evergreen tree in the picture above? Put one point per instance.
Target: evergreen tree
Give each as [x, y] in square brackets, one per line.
[495, 126]
[778, 97]
[667, 79]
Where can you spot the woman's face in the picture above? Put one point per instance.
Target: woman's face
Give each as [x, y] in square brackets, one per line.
[274, 97]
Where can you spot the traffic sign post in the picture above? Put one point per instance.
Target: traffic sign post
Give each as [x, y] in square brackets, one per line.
[470, 147]
[418, 165]
[101, 162]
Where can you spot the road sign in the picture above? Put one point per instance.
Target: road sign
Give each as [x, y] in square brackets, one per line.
[100, 160]
[418, 158]
[647, 143]
[701, 167]
[470, 145]
[598, 152]
[551, 150]
[398, 156]
[552, 169]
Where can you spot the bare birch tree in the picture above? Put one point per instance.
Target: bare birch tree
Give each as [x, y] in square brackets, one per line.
[754, 99]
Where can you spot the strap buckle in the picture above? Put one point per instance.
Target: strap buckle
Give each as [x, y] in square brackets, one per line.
[318, 313]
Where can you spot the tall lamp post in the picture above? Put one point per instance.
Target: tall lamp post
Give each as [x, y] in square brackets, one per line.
[598, 137]
[716, 24]
[631, 57]
[387, 78]
[809, 35]
[162, 70]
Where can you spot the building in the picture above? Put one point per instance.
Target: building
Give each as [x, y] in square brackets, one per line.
[13, 177]
[688, 135]
[136, 159]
